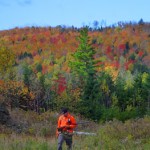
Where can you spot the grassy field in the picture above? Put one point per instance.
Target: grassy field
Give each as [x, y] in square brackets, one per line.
[38, 133]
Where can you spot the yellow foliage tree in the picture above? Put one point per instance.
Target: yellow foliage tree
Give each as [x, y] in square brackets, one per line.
[7, 59]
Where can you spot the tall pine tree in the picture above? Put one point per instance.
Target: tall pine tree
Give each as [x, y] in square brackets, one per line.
[84, 67]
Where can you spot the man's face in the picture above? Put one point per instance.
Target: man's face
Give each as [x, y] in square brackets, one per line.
[66, 114]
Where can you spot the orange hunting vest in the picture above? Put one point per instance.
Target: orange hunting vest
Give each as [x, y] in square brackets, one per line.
[67, 120]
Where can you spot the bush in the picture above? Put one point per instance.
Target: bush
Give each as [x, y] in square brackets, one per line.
[109, 113]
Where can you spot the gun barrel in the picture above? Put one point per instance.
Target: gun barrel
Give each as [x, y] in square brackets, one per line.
[83, 122]
[84, 133]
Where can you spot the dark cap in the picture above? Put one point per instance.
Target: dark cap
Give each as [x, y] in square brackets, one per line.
[64, 110]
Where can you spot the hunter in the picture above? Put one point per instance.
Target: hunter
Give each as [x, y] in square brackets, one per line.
[66, 124]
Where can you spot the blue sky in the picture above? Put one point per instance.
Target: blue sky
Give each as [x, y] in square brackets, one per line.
[22, 13]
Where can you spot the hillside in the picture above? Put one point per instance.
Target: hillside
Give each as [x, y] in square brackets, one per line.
[114, 77]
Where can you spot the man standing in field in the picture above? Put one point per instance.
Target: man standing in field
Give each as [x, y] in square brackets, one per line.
[66, 124]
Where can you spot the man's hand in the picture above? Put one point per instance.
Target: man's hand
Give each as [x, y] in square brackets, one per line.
[67, 126]
[61, 128]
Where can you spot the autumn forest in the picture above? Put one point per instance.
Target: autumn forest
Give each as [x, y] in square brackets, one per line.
[100, 73]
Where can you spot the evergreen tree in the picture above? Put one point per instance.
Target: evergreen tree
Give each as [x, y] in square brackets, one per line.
[83, 64]
[84, 68]
[27, 72]
[142, 92]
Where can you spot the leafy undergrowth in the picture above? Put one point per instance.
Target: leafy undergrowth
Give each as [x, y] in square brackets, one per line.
[37, 132]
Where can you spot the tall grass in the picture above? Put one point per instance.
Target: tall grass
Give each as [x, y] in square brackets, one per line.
[115, 135]
[20, 142]
[99, 142]
[39, 134]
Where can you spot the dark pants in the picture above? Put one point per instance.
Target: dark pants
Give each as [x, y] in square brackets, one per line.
[67, 138]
